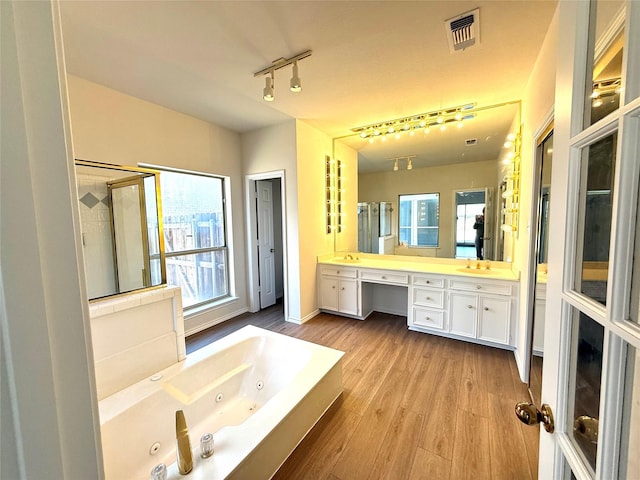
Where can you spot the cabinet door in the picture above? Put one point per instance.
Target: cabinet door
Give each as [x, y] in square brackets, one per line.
[348, 297]
[494, 319]
[329, 293]
[464, 310]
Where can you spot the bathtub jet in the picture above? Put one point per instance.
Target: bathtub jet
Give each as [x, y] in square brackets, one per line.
[257, 391]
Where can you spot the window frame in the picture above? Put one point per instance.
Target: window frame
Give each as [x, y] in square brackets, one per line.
[413, 226]
[213, 249]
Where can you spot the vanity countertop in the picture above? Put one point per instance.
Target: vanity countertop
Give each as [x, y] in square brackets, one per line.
[497, 271]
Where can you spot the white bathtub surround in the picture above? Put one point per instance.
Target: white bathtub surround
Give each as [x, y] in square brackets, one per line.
[258, 392]
[135, 335]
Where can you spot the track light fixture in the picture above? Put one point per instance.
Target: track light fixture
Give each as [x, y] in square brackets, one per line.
[267, 93]
[295, 85]
[405, 157]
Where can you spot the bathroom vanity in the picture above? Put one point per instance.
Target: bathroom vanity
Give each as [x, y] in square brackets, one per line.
[437, 296]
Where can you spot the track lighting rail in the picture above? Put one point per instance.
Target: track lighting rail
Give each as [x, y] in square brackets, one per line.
[281, 63]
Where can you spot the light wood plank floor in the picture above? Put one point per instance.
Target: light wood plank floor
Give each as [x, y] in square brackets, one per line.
[414, 406]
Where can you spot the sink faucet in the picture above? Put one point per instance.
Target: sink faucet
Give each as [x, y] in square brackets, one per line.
[349, 257]
[183, 447]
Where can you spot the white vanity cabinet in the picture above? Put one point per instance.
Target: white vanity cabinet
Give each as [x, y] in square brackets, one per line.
[482, 309]
[428, 300]
[474, 306]
[339, 290]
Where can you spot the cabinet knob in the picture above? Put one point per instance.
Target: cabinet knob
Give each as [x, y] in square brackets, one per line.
[383, 277]
[427, 281]
[428, 298]
[469, 306]
[342, 288]
[427, 318]
[338, 272]
[333, 286]
[478, 287]
[486, 309]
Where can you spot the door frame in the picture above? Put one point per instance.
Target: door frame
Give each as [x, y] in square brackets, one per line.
[529, 286]
[488, 204]
[570, 137]
[253, 276]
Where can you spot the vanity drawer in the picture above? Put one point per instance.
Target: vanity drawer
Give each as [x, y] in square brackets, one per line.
[428, 298]
[428, 281]
[429, 318]
[482, 286]
[338, 271]
[381, 276]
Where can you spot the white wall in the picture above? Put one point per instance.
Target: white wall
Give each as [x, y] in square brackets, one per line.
[47, 364]
[445, 180]
[300, 150]
[267, 150]
[109, 126]
[538, 101]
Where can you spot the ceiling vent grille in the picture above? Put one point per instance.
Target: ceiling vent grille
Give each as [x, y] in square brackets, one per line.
[463, 31]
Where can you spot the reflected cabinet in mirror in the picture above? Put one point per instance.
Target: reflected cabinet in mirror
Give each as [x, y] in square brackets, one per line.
[439, 184]
[120, 218]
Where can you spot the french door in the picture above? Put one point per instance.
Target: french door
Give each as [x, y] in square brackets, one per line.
[591, 376]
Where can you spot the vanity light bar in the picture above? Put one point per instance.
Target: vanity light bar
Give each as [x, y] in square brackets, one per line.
[422, 121]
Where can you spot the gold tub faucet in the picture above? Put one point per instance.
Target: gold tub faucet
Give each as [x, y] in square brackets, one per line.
[183, 447]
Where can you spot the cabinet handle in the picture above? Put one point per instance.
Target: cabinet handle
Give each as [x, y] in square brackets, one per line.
[333, 286]
[338, 272]
[427, 318]
[384, 278]
[478, 287]
[469, 306]
[342, 288]
[486, 309]
[428, 298]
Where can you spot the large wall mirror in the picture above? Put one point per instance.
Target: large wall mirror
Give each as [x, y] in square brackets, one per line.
[425, 181]
[120, 216]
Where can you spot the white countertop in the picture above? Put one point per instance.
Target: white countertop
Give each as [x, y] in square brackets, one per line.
[497, 270]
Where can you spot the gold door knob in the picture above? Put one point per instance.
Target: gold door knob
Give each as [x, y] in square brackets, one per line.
[586, 427]
[529, 414]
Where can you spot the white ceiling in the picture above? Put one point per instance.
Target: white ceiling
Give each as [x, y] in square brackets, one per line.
[371, 61]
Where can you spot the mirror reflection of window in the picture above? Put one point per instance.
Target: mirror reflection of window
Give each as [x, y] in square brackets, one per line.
[419, 219]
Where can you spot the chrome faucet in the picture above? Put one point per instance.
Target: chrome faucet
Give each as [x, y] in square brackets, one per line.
[183, 448]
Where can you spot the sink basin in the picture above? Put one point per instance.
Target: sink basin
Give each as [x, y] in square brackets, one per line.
[477, 271]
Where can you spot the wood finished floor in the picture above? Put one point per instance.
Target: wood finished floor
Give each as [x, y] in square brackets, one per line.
[414, 406]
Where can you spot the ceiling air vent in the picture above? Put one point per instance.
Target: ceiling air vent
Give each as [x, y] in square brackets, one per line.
[471, 141]
[463, 31]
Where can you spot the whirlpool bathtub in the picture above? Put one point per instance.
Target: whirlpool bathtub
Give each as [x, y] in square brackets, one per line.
[258, 393]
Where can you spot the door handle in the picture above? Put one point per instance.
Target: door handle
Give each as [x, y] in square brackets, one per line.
[529, 414]
[272, 250]
[587, 428]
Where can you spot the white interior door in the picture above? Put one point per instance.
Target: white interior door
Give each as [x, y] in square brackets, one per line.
[266, 243]
[591, 375]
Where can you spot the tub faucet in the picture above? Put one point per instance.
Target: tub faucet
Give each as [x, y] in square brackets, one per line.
[183, 447]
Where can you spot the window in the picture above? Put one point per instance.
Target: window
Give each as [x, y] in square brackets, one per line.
[419, 219]
[195, 238]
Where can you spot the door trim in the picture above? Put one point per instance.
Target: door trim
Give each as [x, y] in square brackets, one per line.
[253, 277]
